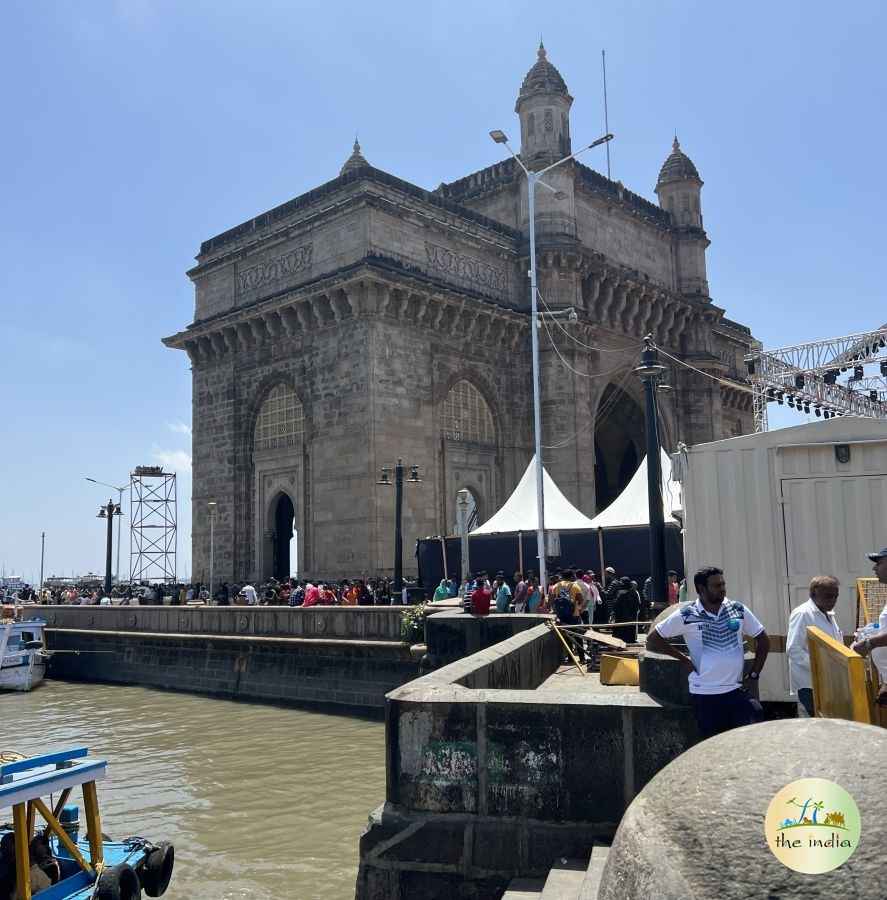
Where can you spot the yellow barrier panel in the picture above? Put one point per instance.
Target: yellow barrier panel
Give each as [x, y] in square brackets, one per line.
[840, 690]
[871, 598]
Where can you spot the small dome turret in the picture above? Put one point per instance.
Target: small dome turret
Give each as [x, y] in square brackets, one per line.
[543, 77]
[678, 166]
[543, 106]
[679, 189]
[355, 161]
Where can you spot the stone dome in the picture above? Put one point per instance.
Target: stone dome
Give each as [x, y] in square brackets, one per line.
[678, 166]
[543, 77]
[355, 161]
[697, 829]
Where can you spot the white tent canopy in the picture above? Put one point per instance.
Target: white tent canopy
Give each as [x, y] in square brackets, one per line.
[631, 508]
[520, 512]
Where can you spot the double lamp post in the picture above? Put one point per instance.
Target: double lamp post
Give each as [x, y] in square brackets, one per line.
[109, 512]
[385, 479]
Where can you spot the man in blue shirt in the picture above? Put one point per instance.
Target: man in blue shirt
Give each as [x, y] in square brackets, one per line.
[715, 629]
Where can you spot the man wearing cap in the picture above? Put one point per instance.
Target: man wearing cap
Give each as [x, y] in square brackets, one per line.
[715, 629]
[877, 646]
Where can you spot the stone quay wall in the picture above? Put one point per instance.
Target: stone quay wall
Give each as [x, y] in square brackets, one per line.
[489, 779]
[347, 657]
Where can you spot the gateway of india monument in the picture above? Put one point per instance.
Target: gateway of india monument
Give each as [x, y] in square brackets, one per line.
[370, 320]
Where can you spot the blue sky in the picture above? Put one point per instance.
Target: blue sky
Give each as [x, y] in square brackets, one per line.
[134, 129]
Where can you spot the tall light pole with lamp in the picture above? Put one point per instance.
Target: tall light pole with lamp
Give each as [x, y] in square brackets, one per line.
[385, 478]
[108, 512]
[534, 178]
[120, 491]
[650, 371]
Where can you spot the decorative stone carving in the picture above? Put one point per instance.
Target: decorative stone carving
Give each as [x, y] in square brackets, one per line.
[466, 267]
[274, 270]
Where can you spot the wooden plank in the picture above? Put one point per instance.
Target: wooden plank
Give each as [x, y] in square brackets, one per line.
[22, 859]
[47, 759]
[93, 823]
[62, 835]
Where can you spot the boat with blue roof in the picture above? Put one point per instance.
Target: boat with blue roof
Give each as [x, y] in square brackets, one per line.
[47, 853]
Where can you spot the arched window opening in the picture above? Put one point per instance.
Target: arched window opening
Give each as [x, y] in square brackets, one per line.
[281, 422]
[466, 417]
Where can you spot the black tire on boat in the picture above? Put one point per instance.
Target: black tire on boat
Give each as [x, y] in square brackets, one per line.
[119, 883]
[157, 871]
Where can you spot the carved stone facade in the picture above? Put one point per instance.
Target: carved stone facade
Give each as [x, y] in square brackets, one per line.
[368, 301]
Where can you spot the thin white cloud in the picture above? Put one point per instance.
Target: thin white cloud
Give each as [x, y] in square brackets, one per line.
[178, 461]
[178, 427]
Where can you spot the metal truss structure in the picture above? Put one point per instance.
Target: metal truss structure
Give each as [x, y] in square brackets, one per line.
[154, 529]
[806, 377]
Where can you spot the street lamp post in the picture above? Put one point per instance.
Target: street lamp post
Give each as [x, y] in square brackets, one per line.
[534, 178]
[385, 478]
[108, 512]
[650, 371]
[212, 543]
[120, 491]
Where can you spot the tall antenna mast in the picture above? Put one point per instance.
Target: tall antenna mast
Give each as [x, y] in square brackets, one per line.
[606, 115]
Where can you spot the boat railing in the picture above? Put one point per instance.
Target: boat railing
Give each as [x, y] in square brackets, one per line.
[23, 784]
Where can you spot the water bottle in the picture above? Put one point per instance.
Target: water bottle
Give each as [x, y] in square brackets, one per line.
[867, 631]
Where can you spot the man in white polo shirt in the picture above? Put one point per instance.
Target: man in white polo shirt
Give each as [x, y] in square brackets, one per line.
[715, 629]
[817, 611]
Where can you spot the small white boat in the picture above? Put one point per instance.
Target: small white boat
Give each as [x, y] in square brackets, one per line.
[23, 653]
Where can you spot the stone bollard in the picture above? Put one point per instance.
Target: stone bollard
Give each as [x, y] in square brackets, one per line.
[696, 831]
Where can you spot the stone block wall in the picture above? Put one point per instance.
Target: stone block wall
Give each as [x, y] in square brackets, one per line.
[335, 657]
[489, 779]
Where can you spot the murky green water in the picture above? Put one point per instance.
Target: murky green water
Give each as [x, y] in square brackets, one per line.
[261, 802]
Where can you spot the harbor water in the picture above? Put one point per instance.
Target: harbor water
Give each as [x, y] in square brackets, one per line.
[261, 802]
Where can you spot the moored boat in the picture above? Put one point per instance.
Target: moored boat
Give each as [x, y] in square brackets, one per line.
[42, 853]
[23, 653]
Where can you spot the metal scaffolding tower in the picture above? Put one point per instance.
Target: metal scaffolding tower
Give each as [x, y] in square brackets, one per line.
[153, 508]
[806, 377]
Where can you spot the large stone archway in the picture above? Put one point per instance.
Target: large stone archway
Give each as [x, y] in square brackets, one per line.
[619, 443]
[281, 542]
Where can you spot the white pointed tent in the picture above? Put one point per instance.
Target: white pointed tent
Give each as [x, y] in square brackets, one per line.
[520, 512]
[630, 508]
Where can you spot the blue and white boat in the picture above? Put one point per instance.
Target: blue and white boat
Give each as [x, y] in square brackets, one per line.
[63, 864]
[23, 653]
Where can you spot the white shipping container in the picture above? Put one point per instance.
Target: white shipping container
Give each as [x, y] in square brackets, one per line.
[774, 509]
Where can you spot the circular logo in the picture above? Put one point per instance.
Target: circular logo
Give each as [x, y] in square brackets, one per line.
[812, 826]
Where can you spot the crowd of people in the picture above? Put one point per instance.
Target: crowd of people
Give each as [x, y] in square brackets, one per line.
[575, 595]
[615, 599]
[288, 592]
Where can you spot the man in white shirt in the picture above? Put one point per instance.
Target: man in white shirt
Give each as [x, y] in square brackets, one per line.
[817, 611]
[877, 646]
[715, 629]
[249, 592]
